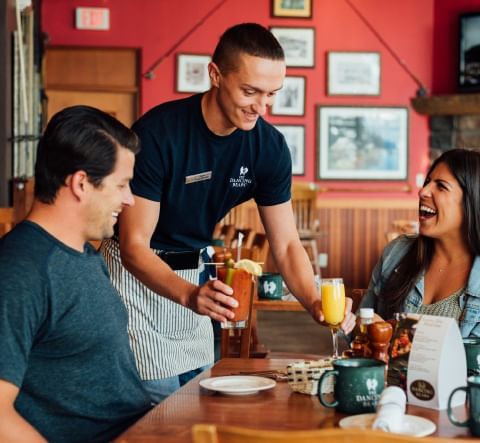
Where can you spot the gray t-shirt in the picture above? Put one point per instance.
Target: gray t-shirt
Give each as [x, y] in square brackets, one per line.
[63, 340]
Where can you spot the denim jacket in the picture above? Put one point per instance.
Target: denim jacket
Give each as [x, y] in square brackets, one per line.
[469, 321]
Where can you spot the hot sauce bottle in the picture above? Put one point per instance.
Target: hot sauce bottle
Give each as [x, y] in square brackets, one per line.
[360, 346]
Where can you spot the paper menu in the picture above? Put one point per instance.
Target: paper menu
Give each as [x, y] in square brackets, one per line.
[437, 363]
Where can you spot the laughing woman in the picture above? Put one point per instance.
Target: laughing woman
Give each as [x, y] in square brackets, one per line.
[437, 272]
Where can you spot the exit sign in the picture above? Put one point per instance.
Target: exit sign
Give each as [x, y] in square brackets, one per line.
[92, 18]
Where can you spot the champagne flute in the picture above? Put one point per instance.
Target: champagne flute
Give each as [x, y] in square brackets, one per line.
[333, 307]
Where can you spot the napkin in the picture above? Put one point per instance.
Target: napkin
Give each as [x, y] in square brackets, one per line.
[390, 410]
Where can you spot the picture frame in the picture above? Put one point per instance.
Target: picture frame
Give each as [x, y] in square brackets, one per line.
[362, 143]
[290, 100]
[192, 73]
[292, 8]
[469, 52]
[295, 138]
[353, 73]
[298, 45]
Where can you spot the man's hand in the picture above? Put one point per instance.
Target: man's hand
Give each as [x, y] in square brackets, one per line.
[348, 322]
[213, 299]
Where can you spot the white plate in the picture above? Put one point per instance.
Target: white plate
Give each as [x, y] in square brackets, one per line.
[237, 384]
[412, 425]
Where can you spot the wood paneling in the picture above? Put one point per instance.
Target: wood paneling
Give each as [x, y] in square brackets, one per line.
[93, 68]
[100, 77]
[355, 233]
[356, 238]
[120, 105]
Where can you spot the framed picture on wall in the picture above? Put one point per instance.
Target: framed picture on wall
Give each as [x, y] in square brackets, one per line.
[292, 8]
[295, 138]
[469, 52]
[192, 73]
[298, 45]
[362, 143]
[353, 73]
[290, 100]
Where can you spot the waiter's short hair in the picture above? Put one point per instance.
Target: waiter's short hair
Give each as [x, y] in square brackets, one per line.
[250, 38]
[79, 138]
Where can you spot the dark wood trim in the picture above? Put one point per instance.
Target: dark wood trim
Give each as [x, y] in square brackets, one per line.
[447, 104]
[7, 26]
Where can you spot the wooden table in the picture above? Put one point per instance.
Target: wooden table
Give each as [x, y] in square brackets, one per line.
[278, 408]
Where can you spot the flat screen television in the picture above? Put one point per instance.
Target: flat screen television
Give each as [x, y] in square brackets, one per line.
[469, 52]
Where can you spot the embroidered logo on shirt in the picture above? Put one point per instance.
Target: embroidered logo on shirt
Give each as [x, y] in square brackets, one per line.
[198, 177]
[241, 181]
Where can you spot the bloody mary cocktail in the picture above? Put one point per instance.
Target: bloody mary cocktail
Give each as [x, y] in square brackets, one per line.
[241, 282]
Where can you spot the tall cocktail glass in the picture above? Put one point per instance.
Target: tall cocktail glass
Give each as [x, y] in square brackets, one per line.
[242, 283]
[333, 307]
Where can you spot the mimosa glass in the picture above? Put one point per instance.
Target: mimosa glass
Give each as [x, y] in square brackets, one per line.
[333, 307]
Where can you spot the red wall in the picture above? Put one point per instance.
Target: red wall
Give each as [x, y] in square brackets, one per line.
[445, 50]
[155, 25]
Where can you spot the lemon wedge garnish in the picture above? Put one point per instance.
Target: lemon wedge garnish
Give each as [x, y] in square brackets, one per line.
[250, 266]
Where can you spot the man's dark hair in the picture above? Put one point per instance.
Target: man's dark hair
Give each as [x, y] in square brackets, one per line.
[464, 164]
[250, 38]
[79, 138]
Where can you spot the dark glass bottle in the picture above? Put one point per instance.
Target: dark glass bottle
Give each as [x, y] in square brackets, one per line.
[360, 346]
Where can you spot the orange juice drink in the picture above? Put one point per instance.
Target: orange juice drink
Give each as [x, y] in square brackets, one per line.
[333, 301]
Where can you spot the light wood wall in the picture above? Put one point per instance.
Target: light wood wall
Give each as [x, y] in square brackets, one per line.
[355, 231]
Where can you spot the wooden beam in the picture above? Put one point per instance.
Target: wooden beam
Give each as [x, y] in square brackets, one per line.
[463, 104]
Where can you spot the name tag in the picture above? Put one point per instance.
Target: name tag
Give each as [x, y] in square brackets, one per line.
[198, 177]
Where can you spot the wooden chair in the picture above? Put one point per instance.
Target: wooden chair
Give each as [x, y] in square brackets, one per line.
[259, 248]
[304, 204]
[224, 234]
[405, 226]
[236, 217]
[244, 342]
[248, 238]
[7, 220]
[237, 342]
[356, 295]
[208, 433]
[400, 227]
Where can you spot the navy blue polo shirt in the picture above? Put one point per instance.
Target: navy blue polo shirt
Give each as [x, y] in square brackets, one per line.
[198, 176]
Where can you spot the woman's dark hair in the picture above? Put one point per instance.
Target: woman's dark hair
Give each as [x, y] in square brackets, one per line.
[464, 164]
[249, 38]
[79, 138]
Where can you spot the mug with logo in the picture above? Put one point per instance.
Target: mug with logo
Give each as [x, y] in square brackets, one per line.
[270, 286]
[472, 352]
[473, 401]
[358, 385]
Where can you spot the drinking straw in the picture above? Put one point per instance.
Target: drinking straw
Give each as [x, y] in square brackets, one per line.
[239, 245]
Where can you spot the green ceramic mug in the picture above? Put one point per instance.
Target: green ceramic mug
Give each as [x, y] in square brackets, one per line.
[270, 286]
[358, 385]
[472, 352]
[473, 401]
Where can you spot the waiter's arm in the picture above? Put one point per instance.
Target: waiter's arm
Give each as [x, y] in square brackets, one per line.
[136, 226]
[293, 262]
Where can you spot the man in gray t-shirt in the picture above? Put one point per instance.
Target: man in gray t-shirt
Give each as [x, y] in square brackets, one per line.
[67, 373]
